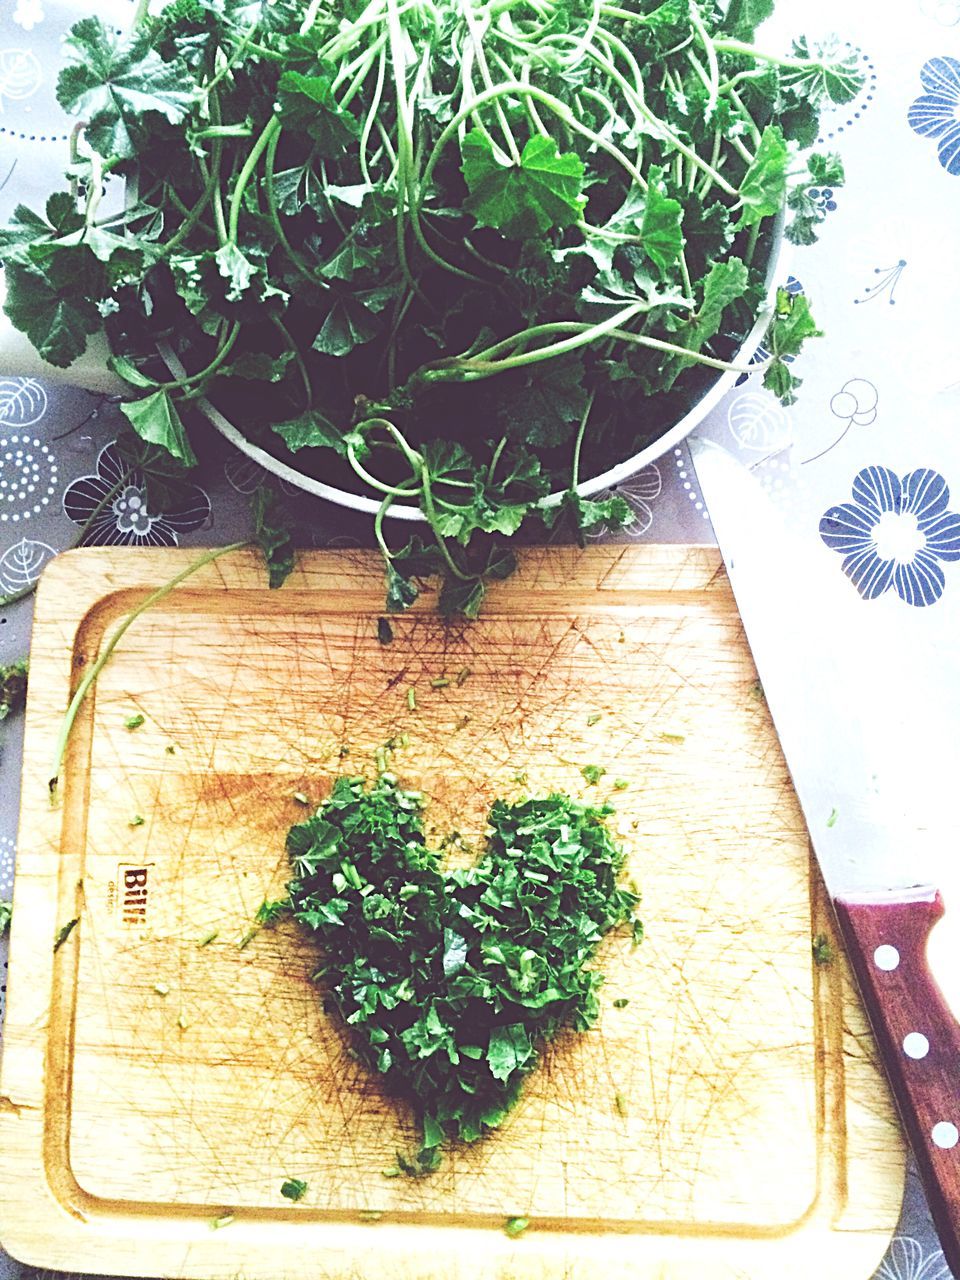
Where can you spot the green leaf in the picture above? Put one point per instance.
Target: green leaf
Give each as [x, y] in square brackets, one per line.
[826, 169]
[793, 324]
[235, 267]
[744, 16]
[833, 76]
[257, 366]
[660, 230]
[155, 419]
[293, 1189]
[509, 1051]
[726, 282]
[114, 82]
[311, 431]
[273, 534]
[541, 193]
[764, 185]
[349, 323]
[52, 307]
[307, 104]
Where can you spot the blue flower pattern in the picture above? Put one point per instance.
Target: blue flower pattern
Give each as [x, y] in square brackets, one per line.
[936, 114]
[895, 533]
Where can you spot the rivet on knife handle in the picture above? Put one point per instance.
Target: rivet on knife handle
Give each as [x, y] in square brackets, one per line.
[918, 1036]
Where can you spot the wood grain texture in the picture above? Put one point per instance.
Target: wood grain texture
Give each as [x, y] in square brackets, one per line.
[758, 1134]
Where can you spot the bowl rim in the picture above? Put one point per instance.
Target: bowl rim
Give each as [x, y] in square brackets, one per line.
[776, 265]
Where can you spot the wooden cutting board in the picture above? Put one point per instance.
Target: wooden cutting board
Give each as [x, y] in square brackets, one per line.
[152, 1085]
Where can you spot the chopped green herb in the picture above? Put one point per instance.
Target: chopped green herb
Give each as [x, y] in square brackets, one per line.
[411, 699]
[462, 722]
[293, 1189]
[380, 757]
[133, 722]
[520, 777]
[208, 938]
[223, 1221]
[6, 915]
[393, 1172]
[594, 719]
[137, 820]
[13, 687]
[452, 982]
[832, 820]
[620, 1102]
[182, 1021]
[384, 631]
[404, 739]
[170, 749]
[516, 1227]
[620, 784]
[621, 1002]
[64, 933]
[439, 682]
[301, 797]
[270, 910]
[823, 952]
[463, 675]
[247, 938]
[370, 1215]
[161, 988]
[673, 737]
[344, 750]
[757, 690]
[637, 932]
[593, 773]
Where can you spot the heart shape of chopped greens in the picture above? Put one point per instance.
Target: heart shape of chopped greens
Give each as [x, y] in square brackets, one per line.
[452, 981]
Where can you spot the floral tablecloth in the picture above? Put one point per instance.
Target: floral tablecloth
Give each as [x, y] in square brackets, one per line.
[883, 280]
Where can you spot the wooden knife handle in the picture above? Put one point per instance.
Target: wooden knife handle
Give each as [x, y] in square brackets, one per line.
[918, 1037]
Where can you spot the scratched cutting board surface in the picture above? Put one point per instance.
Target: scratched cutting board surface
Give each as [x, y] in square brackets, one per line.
[151, 1085]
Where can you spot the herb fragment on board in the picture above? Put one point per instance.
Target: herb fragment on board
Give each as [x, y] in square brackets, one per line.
[64, 933]
[673, 737]
[224, 1220]
[301, 798]
[439, 682]
[394, 1171]
[593, 719]
[208, 938]
[621, 1002]
[13, 687]
[593, 773]
[137, 820]
[463, 675]
[133, 722]
[451, 982]
[832, 820]
[271, 910]
[620, 1102]
[170, 749]
[620, 784]
[823, 952]
[293, 1189]
[161, 988]
[411, 699]
[384, 631]
[514, 1227]
[6, 915]
[182, 1021]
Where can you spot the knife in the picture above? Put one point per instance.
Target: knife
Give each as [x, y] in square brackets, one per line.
[854, 739]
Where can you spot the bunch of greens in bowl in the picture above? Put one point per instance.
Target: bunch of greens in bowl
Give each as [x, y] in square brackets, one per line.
[461, 254]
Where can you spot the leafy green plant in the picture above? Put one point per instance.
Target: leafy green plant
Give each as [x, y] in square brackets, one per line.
[464, 256]
[451, 982]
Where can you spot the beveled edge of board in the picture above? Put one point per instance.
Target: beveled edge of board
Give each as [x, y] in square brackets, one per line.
[49, 1220]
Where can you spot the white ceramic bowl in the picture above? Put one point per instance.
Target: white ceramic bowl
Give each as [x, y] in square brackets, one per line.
[629, 467]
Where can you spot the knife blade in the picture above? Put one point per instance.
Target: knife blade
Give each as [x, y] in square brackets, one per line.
[875, 765]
